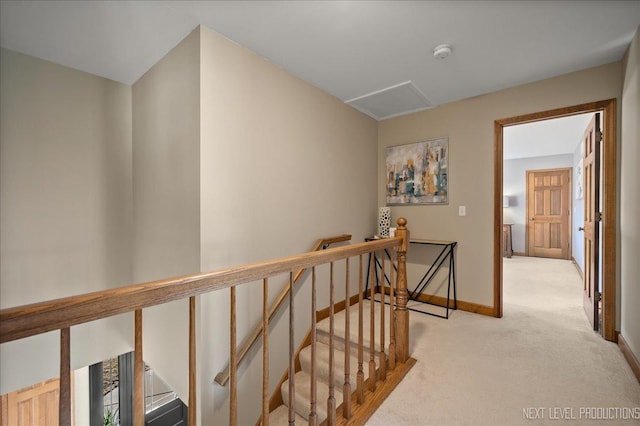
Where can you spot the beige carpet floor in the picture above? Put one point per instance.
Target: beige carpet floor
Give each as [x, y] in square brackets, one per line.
[540, 364]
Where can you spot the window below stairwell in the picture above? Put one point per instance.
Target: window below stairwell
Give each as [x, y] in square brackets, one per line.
[111, 394]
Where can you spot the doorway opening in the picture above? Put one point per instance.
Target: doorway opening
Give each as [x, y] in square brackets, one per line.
[503, 214]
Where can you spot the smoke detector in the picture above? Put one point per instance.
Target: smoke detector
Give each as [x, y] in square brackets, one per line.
[442, 51]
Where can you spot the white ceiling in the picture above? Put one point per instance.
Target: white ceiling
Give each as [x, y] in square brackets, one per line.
[542, 138]
[347, 48]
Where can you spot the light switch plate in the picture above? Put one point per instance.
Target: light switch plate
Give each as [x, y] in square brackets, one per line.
[462, 210]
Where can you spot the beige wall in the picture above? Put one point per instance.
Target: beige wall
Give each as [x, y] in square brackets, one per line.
[630, 198]
[234, 161]
[65, 216]
[122, 177]
[469, 125]
[282, 164]
[166, 180]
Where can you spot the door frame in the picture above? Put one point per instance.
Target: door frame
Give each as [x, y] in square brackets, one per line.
[608, 194]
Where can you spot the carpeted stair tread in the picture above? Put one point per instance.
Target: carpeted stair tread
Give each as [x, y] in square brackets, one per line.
[303, 378]
[339, 326]
[322, 364]
[280, 416]
[303, 396]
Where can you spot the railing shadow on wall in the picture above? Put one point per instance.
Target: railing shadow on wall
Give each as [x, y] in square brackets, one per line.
[61, 314]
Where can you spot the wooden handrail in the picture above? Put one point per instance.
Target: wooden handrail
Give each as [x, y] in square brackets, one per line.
[30, 320]
[321, 244]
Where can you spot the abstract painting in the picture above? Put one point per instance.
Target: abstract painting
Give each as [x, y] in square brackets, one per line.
[417, 173]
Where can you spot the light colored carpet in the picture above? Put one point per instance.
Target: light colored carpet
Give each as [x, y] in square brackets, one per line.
[539, 363]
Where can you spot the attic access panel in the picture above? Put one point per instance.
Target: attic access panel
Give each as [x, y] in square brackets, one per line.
[396, 100]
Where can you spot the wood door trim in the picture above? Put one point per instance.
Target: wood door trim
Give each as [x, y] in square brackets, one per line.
[609, 220]
[609, 238]
[570, 195]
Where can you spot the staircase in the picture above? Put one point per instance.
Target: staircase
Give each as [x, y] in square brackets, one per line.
[61, 315]
[303, 375]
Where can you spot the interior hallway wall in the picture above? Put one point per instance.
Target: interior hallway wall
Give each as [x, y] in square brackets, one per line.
[166, 199]
[282, 164]
[630, 197]
[469, 125]
[65, 216]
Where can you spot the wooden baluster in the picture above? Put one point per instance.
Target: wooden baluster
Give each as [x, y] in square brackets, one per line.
[402, 296]
[138, 372]
[372, 326]
[265, 352]
[192, 361]
[64, 413]
[292, 370]
[392, 320]
[382, 359]
[313, 415]
[233, 379]
[360, 375]
[331, 401]
[346, 389]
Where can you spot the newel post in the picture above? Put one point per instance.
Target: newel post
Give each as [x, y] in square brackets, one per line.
[402, 295]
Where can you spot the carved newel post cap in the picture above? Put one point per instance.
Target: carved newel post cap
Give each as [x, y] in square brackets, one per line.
[402, 222]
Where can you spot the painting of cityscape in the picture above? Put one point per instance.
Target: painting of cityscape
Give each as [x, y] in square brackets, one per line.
[417, 173]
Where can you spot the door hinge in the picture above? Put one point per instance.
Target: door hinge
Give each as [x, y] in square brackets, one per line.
[598, 217]
[599, 136]
[597, 296]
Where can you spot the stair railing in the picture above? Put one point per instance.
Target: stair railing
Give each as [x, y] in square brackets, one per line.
[62, 314]
[222, 378]
[378, 346]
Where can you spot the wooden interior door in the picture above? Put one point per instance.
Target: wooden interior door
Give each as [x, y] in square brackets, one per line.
[33, 406]
[591, 174]
[549, 213]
